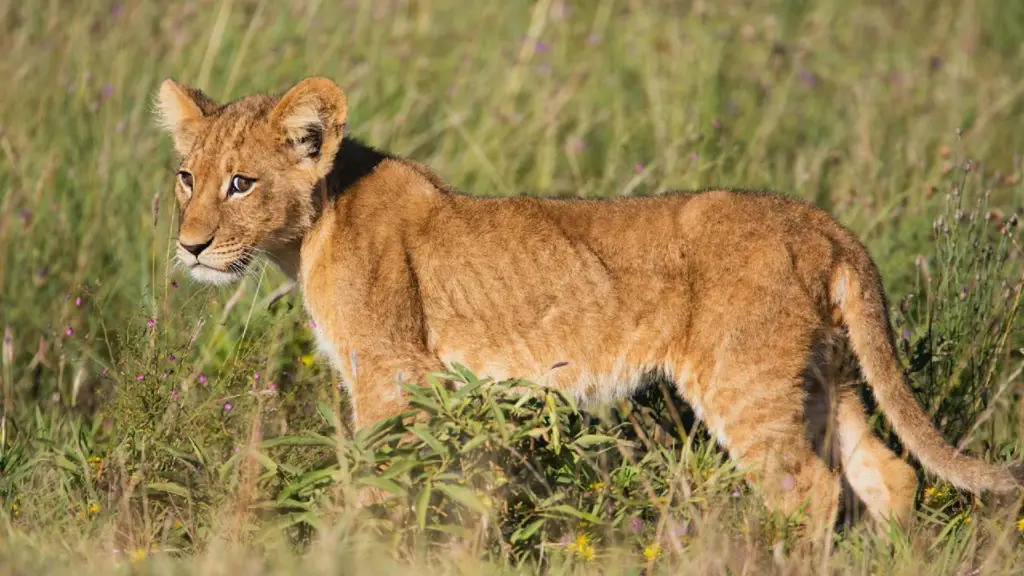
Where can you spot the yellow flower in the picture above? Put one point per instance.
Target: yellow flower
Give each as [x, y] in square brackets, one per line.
[306, 359]
[929, 492]
[597, 486]
[652, 552]
[94, 508]
[582, 547]
[94, 459]
[587, 554]
[967, 520]
[177, 524]
[138, 555]
[1020, 525]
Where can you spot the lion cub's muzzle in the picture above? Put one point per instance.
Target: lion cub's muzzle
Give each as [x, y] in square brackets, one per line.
[211, 264]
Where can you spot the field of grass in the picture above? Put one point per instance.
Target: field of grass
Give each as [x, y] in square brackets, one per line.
[152, 424]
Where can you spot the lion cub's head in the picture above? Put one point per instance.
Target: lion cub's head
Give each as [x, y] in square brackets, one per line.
[248, 170]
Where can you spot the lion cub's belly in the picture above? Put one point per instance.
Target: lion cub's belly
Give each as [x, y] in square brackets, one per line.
[586, 341]
[590, 382]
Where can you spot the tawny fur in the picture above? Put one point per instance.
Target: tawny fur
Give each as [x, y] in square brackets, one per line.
[748, 301]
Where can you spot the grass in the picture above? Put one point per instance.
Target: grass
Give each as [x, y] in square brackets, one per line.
[136, 435]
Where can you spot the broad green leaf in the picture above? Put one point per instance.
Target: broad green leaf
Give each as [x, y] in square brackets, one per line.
[309, 479]
[527, 531]
[569, 510]
[327, 414]
[422, 504]
[588, 440]
[63, 462]
[309, 439]
[473, 444]
[265, 460]
[168, 487]
[383, 484]
[400, 466]
[468, 389]
[424, 434]
[464, 496]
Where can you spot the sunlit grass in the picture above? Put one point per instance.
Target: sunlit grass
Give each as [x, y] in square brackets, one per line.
[136, 433]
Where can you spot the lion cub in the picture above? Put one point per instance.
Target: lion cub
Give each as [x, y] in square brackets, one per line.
[744, 300]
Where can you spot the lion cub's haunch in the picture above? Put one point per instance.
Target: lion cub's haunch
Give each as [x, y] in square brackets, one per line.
[745, 300]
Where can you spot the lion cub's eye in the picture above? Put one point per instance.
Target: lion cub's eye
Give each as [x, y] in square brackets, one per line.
[186, 179]
[240, 185]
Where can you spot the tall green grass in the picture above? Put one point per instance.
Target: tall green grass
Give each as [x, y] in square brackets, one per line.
[149, 422]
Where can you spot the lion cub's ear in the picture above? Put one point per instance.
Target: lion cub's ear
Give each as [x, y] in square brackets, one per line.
[180, 110]
[310, 117]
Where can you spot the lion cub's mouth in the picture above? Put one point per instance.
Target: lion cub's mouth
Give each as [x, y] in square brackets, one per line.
[232, 272]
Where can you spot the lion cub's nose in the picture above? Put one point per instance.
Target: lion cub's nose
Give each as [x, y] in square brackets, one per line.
[197, 249]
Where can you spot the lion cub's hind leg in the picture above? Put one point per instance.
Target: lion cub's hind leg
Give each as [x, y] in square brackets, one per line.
[885, 483]
[755, 409]
[882, 482]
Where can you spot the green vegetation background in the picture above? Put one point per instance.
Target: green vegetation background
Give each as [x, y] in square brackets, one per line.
[150, 423]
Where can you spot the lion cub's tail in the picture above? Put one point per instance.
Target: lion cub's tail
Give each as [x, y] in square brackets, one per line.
[856, 290]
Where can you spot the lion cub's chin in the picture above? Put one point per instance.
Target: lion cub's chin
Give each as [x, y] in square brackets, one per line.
[208, 275]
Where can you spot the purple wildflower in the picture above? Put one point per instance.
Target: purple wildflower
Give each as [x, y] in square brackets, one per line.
[69, 331]
[105, 371]
[639, 168]
[172, 357]
[78, 302]
[25, 216]
[202, 378]
[174, 395]
[227, 406]
[694, 156]
[272, 387]
[809, 79]
[312, 325]
[151, 323]
[636, 526]
[256, 376]
[560, 11]
[575, 145]
[174, 283]
[736, 493]
[716, 124]
[140, 377]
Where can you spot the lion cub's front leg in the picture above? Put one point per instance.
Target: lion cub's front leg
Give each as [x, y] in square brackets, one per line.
[376, 393]
[375, 383]
[373, 377]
